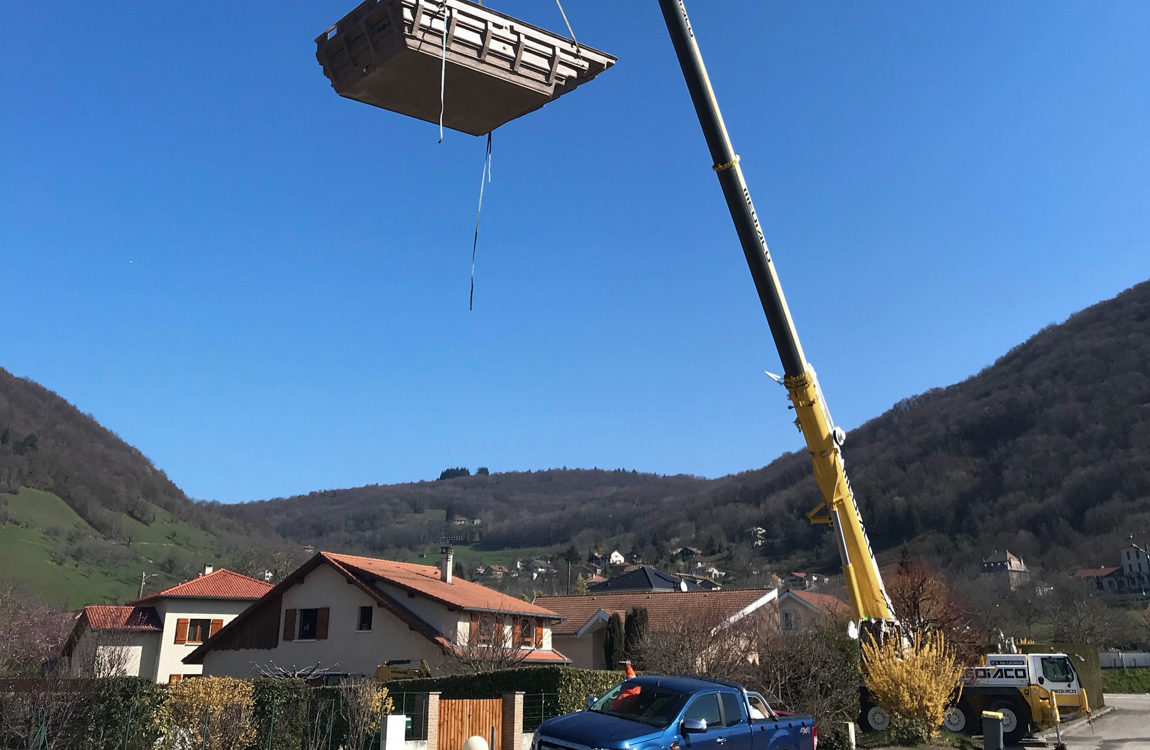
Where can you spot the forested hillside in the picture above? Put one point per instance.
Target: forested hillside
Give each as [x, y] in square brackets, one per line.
[1044, 452]
[83, 514]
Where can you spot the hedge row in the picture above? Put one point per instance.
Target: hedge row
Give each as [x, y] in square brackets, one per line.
[571, 685]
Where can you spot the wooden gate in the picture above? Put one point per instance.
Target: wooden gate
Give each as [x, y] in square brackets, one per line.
[460, 719]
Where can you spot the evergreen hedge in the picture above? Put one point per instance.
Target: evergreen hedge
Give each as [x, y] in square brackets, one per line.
[571, 685]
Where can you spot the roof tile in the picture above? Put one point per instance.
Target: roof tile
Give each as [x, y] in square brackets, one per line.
[663, 607]
[114, 617]
[222, 584]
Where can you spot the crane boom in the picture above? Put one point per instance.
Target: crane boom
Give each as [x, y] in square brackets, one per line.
[868, 596]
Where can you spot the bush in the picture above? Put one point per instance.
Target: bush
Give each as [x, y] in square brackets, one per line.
[219, 707]
[914, 683]
[280, 712]
[570, 684]
[123, 713]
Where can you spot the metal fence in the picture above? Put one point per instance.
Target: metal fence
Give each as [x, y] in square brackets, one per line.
[414, 706]
[537, 708]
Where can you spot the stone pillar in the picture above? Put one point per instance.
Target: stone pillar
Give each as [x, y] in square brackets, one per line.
[433, 721]
[512, 721]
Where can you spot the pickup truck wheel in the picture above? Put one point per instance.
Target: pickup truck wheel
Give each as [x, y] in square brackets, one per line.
[959, 719]
[1014, 722]
[875, 719]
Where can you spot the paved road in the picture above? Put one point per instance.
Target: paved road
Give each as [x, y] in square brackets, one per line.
[1127, 727]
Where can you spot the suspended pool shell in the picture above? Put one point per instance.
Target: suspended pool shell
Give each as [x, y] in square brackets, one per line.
[388, 53]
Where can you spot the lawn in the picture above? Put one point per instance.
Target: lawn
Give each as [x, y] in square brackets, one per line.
[1126, 680]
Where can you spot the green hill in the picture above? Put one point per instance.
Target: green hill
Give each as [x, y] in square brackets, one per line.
[83, 515]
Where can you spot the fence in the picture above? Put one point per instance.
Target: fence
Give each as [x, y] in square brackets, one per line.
[537, 708]
[1124, 659]
[414, 707]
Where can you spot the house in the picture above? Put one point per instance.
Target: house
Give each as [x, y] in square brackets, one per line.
[583, 631]
[1104, 578]
[344, 614]
[597, 560]
[804, 581]
[151, 636]
[643, 578]
[801, 609]
[1008, 567]
[687, 553]
[616, 558]
[1136, 568]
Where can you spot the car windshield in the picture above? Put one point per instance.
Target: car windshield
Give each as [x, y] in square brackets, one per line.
[653, 705]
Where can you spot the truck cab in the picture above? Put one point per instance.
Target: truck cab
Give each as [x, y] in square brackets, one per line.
[677, 713]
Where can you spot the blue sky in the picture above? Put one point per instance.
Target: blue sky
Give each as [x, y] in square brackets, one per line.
[263, 286]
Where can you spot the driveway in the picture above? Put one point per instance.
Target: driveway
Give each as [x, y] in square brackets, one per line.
[1127, 727]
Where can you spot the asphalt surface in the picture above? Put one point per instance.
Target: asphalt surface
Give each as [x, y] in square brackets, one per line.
[1127, 727]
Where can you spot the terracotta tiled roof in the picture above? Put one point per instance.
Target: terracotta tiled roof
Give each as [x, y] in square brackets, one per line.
[663, 607]
[425, 580]
[1094, 572]
[831, 605]
[108, 617]
[222, 584]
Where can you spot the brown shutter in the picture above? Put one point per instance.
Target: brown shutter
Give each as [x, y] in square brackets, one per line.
[289, 624]
[216, 625]
[175, 677]
[182, 630]
[321, 623]
[538, 636]
[500, 635]
[473, 632]
[517, 635]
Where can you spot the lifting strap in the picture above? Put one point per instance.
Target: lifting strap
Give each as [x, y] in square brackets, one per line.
[443, 67]
[578, 53]
[485, 176]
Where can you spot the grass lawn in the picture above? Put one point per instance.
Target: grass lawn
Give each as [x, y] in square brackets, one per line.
[1126, 680]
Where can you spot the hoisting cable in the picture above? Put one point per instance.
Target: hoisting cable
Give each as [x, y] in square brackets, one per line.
[578, 52]
[443, 68]
[485, 176]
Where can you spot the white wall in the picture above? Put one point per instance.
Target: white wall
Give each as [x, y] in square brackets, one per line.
[353, 651]
[1126, 659]
[170, 656]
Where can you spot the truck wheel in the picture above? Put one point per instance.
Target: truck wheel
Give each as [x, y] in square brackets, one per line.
[959, 719]
[875, 719]
[1014, 722]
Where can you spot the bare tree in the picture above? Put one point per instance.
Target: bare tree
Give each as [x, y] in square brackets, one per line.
[361, 702]
[30, 633]
[495, 641]
[708, 646]
[101, 653]
[925, 604]
[310, 671]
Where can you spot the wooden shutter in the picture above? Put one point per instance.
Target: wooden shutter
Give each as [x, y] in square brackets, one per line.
[517, 635]
[175, 677]
[182, 630]
[289, 624]
[500, 635]
[216, 625]
[538, 636]
[321, 619]
[473, 632]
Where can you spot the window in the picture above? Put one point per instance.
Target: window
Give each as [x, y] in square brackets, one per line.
[1056, 669]
[525, 633]
[705, 707]
[790, 621]
[198, 630]
[308, 624]
[732, 709]
[365, 618]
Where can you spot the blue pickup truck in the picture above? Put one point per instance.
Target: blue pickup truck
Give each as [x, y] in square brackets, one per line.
[677, 713]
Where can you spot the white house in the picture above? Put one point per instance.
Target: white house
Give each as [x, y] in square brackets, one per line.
[151, 636]
[345, 614]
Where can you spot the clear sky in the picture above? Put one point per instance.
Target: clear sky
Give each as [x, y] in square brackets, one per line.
[263, 286]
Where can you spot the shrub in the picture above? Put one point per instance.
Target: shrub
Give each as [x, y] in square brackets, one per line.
[913, 682]
[218, 707]
[571, 685]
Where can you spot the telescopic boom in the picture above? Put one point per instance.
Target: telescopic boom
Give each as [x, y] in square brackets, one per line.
[838, 508]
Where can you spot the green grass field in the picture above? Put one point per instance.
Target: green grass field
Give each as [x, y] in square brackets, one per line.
[40, 549]
[1126, 680]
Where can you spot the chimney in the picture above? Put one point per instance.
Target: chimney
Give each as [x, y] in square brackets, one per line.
[445, 563]
[207, 569]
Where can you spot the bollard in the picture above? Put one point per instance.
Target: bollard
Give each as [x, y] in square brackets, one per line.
[992, 730]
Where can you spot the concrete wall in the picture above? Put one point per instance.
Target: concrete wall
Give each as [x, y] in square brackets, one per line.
[1123, 659]
[169, 660]
[585, 652]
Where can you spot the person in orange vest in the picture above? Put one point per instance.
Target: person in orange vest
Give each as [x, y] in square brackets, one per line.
[629, 693]
[629, 671]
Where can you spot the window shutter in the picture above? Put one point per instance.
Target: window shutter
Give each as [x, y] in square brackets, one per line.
[182, 630]
[175, 677]
[500, 634]
[289, 624]
[216, 625]
[473, 631]
[538, 636]
[517, 636]
[321, 623]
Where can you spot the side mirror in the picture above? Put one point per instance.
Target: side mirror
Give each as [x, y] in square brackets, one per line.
[694, 726]
[591, 701]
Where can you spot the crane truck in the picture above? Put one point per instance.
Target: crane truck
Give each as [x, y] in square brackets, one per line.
[1028, 689]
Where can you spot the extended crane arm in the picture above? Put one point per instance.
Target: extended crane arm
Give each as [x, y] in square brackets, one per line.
[864, 583]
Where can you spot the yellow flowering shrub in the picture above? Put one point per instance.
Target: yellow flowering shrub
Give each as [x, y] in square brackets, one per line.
[221, 707]
[913, 682]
